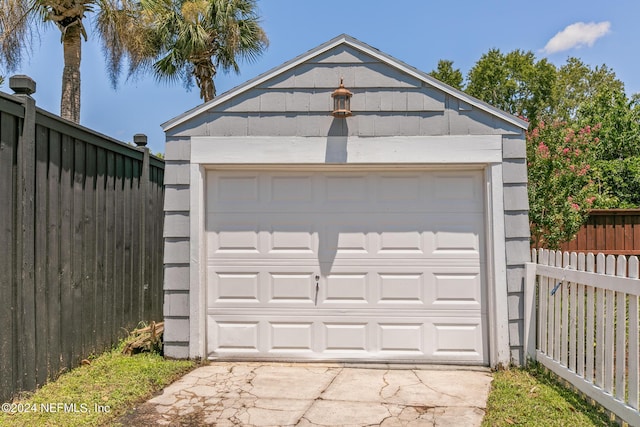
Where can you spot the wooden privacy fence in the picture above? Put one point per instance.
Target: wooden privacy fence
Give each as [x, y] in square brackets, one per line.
[80, 242]
[610, 231]
[581, 322]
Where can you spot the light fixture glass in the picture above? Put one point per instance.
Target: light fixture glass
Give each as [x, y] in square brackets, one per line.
[341, 101]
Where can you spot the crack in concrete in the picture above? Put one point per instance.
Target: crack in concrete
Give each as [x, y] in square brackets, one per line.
[307, 420]
[390, 416]
[399, 387]
[303, 416]
[418, 412]
[433, 389]
[386, 384]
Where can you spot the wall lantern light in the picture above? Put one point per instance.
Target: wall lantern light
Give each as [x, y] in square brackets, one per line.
[341, 101]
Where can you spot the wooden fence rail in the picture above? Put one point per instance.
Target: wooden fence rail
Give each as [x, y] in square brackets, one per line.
[583, 325]
[80, 243]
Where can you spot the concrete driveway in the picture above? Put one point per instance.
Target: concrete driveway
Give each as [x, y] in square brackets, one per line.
[287, 394]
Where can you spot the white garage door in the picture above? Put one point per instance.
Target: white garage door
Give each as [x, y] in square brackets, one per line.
[365, 265]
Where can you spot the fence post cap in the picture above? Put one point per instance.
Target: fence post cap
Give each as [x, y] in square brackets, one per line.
[140, 139]
[22, 84]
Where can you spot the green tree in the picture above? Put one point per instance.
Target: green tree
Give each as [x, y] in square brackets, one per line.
[514, 82]
[447, 74]
[621, 179]
[14, 25]
[562, 181]
[576, 84]
[619, 120]
[618, 153]
[21, 20]
[193, 39]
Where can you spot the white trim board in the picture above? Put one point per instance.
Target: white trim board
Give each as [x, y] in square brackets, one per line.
[497, 327]
[497, 261]
[467, 149]
[197, 261]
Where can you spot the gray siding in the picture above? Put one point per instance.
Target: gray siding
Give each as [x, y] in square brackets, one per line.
[386, 102]
[516, 222]
[176, 247]
[367, 122]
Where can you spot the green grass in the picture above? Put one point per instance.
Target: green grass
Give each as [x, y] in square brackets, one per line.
[534, 397]
[525, 397]
[113, 382]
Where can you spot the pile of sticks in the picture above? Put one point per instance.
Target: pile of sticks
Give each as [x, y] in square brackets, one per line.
[145, 339]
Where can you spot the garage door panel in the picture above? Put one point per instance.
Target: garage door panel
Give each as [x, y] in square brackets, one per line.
[456, 235]
[401, 242]
[292, 287]
[401, 288]
[344, 336]
[344, 289]
[232, 236]
[456, 289]
[230, 189]
[455, 339]
[261, 286]
[236, 336]
[336, 337]
[406, 189]
[359, 236]
[458, 192]
[353, 242]
[295, 189]
[401, 338]
[347, 286]
[233, 287]
[292, 240]
[350, 189]
[345, 192]
[292, 336]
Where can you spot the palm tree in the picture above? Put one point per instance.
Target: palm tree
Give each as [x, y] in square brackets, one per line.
[20, 21]
[195, 38]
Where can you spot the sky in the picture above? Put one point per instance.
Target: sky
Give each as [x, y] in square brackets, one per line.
[418, 32]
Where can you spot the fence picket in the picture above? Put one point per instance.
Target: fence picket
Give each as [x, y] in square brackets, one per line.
[8, 338]
[599, 343]
[580, 318]
[573, 316]
[621, 331]
[590, 326]
[564, 328]
[557, 311]
[543, 297]
[634, 350]
[609, 332]
[551, 312]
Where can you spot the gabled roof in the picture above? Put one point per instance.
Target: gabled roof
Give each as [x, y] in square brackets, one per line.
[347, 40]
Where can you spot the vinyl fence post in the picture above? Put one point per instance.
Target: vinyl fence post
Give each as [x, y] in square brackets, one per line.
[530, 314]
[141, 141]
[24, 87]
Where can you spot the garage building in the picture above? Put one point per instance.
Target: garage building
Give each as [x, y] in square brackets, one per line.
[392, 228]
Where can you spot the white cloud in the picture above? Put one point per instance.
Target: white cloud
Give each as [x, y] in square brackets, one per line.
[577, 35]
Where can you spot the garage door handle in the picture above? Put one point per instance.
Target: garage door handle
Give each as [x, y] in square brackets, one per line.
[315, 300]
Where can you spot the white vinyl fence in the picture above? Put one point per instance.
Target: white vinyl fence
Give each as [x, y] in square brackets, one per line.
[581, 322]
